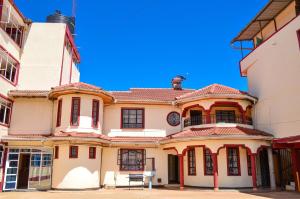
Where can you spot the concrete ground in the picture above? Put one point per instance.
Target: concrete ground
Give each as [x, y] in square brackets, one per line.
[146, 194]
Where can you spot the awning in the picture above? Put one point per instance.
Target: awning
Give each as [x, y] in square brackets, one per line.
[267, 14]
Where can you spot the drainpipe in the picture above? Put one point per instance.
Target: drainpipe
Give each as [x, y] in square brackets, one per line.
[101, 166]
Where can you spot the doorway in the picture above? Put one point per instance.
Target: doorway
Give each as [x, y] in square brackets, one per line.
[23, 171]
[264, 168]
[173, 169]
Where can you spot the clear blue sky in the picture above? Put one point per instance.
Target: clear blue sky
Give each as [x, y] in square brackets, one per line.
[144, 43]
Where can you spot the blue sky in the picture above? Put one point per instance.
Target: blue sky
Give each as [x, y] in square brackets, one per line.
[144, 43]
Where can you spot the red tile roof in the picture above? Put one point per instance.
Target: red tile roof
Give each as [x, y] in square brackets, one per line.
[135, 139]
[218, 131]
[150, 94]
[81, 135]
[214, 89]
[78, 85]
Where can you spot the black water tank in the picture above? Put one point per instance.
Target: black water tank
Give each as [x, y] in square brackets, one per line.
[57, 17]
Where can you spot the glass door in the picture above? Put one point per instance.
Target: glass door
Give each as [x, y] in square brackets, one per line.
[10, 180]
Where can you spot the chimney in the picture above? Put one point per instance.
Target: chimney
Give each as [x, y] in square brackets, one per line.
[177, 81]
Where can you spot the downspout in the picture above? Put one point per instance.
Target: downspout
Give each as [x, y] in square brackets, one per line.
[101, 166]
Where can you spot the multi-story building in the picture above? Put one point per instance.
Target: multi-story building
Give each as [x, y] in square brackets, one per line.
[60, 133]
[272, 67]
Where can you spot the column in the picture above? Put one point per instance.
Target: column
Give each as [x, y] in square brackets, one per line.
[271, 169]
[181, 171]
[207, 118]
[215, 171]
[253, 171]
[294, 168]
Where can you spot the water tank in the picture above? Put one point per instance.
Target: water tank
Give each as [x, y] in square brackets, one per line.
[57, 17]
[177, 82]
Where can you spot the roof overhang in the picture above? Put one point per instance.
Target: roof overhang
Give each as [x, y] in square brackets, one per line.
[267, 14]
[218, 96]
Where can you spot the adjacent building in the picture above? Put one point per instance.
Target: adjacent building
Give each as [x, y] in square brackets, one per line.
[60, 133]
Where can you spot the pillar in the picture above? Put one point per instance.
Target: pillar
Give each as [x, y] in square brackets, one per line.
[253, 171]
[208, 118]
[215, 171]
[296, 174]
[181, 171]
[271, 169]
[3, 169]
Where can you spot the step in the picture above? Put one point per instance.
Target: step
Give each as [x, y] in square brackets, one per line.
[289, 188]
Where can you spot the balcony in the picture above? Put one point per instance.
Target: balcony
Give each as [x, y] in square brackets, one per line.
[216, 119]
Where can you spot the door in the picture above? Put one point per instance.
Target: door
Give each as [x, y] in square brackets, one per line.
[264, 168]
[173, 169]
[23, 173]
[196, 117]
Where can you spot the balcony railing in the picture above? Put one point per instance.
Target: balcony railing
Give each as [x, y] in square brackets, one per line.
[214, 119]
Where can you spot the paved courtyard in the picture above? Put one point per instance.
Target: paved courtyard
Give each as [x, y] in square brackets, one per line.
[146, 194]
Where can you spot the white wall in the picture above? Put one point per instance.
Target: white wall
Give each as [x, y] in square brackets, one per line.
[79, 173]
[273, 76]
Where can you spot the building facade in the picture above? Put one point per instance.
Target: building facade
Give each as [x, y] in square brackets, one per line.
[65, 134]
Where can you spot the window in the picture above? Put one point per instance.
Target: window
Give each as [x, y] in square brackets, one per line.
[5, 111]
[56, 152]
[73, 152]
[75, 111]
[92, 152]
[233, 161]
[196, 117]
[191, 162]
[225, 116]
[131, 159]
[58, 117]
[8, 67]
[249, 166]
[1, 155]
[95, 113]
[132, 118]
[208, 162]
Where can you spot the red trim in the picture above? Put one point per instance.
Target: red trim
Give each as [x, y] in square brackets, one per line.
[70, 152]
[261, 148]
[249, 164]
[238, 159]
[179, 118]
[235, 145]
[263, 43]
[190, 107]
[3, 169]
[97, 113]
[74, 48]
[58, 115]
[92, 156]
[71, 68]
[215, 170]
[72, 109]
[189, 160]
[15, 82]
[253, 170]
[295, 164]
[171, 148]
[181, 171]
[56, 152]
[227, 104]
[287, 139]
[62, 61]
[132, 108]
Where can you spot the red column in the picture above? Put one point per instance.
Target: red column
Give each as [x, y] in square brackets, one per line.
[295, 169]
[208, 119]
[3, 169]
[215, 171]
[253, 171]
[181, 171]
[244, 117]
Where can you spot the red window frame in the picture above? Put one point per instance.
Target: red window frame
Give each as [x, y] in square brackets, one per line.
[95, 113]
[8, 101]
[129, 166]
[75, 123]
[143, 118]
[17, 66]
[92, 152]
[56, 152]
[249, 166]
[205, 161]
[298, 36]
[238, 167]
[71, 154]
[59, 109]
[191, 158]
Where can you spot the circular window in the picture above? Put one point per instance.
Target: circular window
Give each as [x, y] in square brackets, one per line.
[173, 118]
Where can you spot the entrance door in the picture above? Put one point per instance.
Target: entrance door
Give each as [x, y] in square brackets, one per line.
[264, 168]
[23, 173]
[173, 169]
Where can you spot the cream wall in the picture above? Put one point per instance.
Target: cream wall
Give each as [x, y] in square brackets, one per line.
[27, 117]
[79, 173]
[112, 176]
[85, 121]
[272, 70]
[75, 73]
[156, 124]
[42, 56]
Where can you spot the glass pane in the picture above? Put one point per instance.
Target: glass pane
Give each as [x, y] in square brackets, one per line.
[10, 185]
[13, 156]
[11, 171]
[11, 178]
